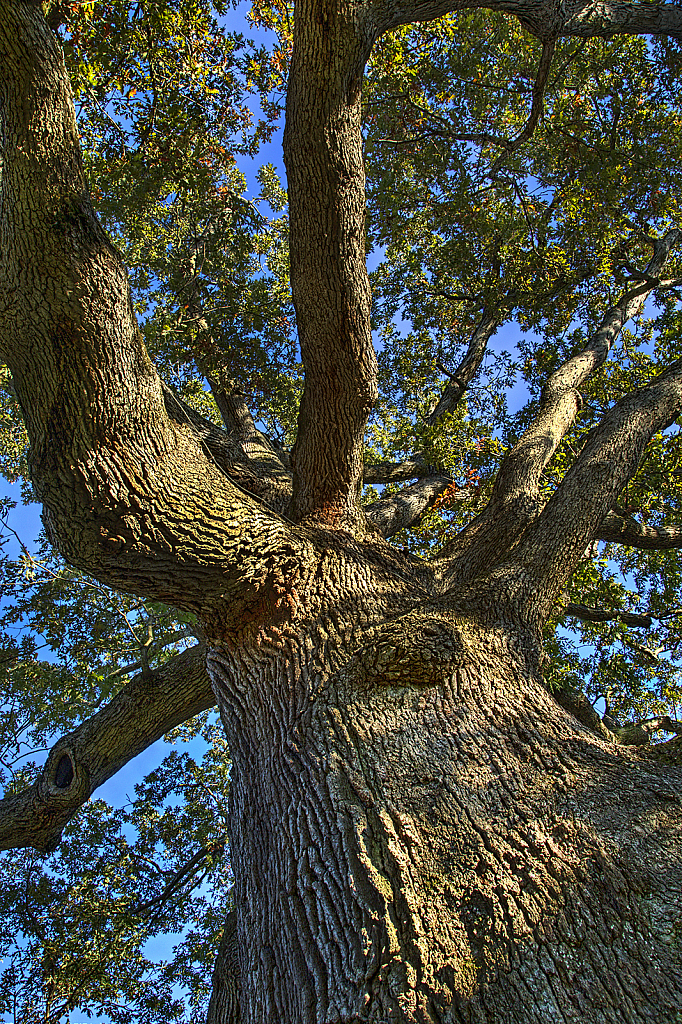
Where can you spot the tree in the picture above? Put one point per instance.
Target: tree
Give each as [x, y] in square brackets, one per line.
[419, 830]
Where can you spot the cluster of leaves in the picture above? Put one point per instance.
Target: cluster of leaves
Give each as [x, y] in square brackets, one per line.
[548, 234]
[78, 928]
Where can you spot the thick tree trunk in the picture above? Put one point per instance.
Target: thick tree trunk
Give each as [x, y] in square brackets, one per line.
[421, 834]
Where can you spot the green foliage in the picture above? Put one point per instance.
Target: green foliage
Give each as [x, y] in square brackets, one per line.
[77, 928]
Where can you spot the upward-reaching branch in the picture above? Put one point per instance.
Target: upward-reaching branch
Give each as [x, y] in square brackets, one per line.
[466, 371]
[323, 156]
[549, 551]
[560, 402]
[131, 492]
[515, 499]
[209, 359]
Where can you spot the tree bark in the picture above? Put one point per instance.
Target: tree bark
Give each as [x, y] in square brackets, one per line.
[330, 286]
[421, 834]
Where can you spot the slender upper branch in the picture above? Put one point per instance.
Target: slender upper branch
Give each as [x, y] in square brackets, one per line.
[537, 105]
[210, 360]
[588, 614]
[467, 369]
[146, 708]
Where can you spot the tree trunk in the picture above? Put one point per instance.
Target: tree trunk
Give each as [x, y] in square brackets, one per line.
[421, 834]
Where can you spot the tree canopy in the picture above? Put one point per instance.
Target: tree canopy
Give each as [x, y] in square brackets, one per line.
[523, 235]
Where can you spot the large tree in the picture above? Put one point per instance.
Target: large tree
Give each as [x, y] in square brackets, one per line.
[419, 830]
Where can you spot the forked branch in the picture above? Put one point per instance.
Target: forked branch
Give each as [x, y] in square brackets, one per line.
[560, 403]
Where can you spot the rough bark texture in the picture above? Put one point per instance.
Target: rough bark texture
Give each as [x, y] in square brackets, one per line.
[419, 832]
[455, 846]
[323, 156]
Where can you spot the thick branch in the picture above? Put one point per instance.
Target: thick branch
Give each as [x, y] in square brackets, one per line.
[547, 19]
[330, 286]
[639, 734]
[554, 544]
[560, 403]
[516, 499]
[145, 709]
[131, 493]
[624, 529]
[252, 462]
[403, 509]
[467, 369]
[586, 19]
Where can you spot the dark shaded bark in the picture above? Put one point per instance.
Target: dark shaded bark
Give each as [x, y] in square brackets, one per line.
[223, 1007]
[549, 20]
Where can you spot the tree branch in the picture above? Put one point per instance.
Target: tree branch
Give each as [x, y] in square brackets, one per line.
[546, 19]
[209, 359]
[330, 286]
[398, 511]
[252, 461]
[515, 500]
[560, 402]
[394, 472]
[537, 106]
[638, 734]
[625, 529]
[131, 493]
[79, 762]
[539, 567]
[587, 614]
[467, 369]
